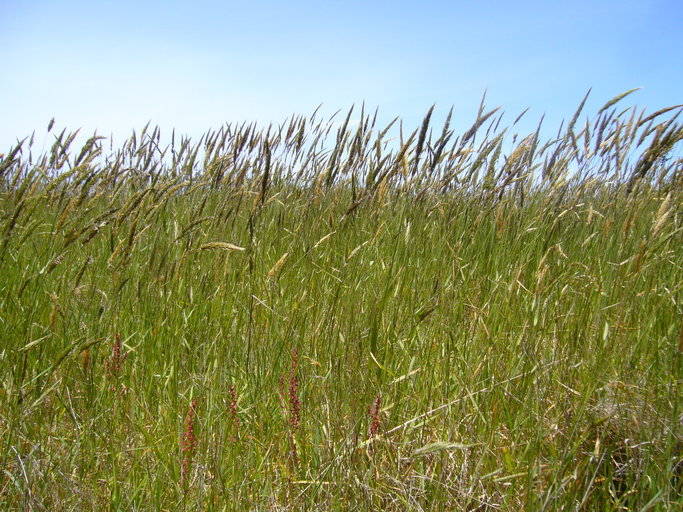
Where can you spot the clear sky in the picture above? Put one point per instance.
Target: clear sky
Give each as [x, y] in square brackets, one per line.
[111, 66]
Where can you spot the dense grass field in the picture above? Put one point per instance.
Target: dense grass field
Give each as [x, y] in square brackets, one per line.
[318, 316]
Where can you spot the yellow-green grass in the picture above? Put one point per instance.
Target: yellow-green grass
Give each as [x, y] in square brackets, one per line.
[314, 320]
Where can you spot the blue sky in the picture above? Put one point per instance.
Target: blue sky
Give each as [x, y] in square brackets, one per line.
[193, 66]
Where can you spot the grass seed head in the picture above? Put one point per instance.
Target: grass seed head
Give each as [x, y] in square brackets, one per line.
[232, 408]
[374, 413]
[294, 402]
[188, 440]
[115, 362]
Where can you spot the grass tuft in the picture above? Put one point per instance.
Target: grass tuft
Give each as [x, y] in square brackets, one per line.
[517, 301]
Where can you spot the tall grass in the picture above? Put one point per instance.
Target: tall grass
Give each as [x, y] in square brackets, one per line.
[312, 315]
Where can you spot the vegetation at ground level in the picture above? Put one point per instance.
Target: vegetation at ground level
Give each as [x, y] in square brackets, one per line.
[313, 316]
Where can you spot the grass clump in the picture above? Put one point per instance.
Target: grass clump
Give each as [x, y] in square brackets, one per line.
[293, 318]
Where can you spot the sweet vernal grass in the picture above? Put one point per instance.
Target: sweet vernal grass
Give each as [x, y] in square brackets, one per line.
[324, 316]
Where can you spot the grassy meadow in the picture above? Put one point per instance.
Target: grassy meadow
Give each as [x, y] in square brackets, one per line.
[327, 315]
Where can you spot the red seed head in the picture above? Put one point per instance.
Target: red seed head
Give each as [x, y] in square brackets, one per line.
[188, 439]
[294, 403]
[374, 412]
[232, 407]
[115, 362]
